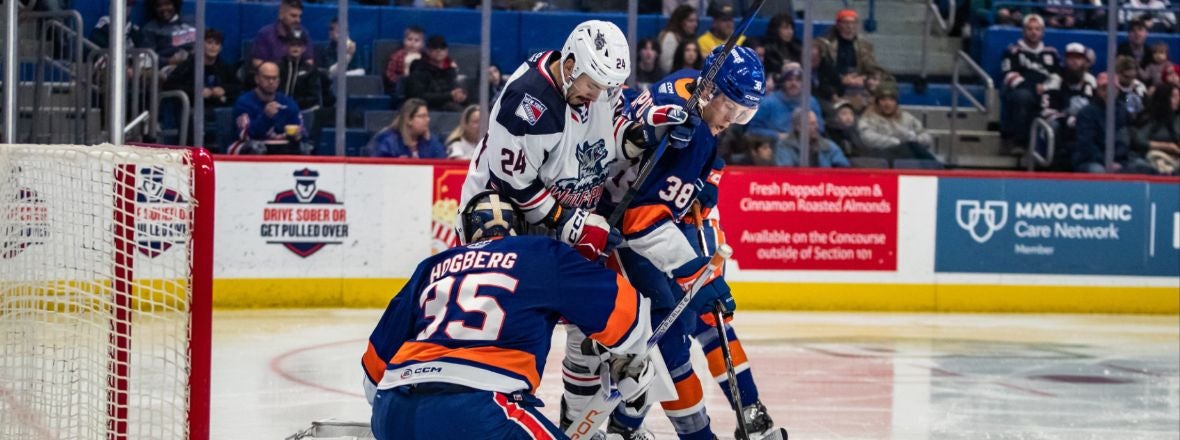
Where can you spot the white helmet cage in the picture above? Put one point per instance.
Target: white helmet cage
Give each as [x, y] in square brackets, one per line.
[600, 51]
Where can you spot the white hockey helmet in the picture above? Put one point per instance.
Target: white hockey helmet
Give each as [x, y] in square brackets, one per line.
[600, 51]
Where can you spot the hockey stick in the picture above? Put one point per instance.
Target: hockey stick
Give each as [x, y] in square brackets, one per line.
[734, 393]
[595, 413]
[743, 431]
[703, 84]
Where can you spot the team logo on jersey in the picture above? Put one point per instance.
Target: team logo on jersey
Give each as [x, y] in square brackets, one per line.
[162, 214]
[530, 109]
[306, 218]
[27, 223]
[585, 190]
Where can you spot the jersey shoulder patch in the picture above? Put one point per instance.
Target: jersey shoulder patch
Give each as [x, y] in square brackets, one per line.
[675, 88]
[530, 104]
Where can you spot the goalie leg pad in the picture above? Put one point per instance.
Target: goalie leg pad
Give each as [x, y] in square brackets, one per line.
[579, 375]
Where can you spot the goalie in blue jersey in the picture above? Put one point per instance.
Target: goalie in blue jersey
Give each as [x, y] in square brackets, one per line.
[460, 350]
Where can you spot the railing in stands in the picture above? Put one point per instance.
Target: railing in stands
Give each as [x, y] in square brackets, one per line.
[58, 52]
[143, 89]
[185, 113]
[934, 16]
[1035, 158]
[991, 99]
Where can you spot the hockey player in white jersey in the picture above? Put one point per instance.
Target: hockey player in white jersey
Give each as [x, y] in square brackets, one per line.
[554, 131]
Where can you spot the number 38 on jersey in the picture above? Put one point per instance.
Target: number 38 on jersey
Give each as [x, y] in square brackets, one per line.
[678, 192]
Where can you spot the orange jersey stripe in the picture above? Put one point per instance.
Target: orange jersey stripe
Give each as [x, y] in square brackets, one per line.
[717, 361]
[688, 393]
[374, 365]
[516, 361]
[642, 217]
[621, 317]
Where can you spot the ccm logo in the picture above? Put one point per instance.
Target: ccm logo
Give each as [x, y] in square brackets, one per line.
[585, 426]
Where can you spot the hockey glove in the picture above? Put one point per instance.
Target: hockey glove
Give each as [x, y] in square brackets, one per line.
[587, 232]
[632, 377]
[682, 134]
[707, 188]
[644, 111]
[714, 288]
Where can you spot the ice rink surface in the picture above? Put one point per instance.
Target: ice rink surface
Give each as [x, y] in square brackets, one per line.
[822, 375]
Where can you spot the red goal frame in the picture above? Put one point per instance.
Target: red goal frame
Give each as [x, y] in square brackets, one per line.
[200, 299]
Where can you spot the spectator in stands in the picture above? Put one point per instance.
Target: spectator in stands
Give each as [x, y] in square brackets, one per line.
[780, 43]
[1153, 73]
[171, 38]
[219, 89]
[1074, 94]
[1172, 76]
[1136, 45]
[101, 35]
[842, 129]
[1059, 14]
[759, 49]
[270, 44]
[269, 121]
[1132, 92]
[328, 57]
[723, 26]
[647, 68]
[1089, 155]
[682, 26]
[1030, 70]
[891, 133]
[221, 85]
[823, 152]
[435, 78]
[297, 79]
[1153, 13]
[687, 56]
[850, 56]
[983, 15]
[408, 135]
[495, 83]
[399, 62]
[464, 138]
[1158, 131]
[760, 152]
[773, 119]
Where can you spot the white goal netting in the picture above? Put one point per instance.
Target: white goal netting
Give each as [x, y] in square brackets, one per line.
[96, 245]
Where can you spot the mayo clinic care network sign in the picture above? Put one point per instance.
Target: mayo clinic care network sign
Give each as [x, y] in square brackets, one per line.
[1069, 227]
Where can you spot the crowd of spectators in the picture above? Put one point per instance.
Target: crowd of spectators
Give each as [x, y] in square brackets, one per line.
[1038, 83]
[853, 110]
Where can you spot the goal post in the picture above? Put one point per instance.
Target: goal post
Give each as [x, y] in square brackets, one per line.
[105, 292]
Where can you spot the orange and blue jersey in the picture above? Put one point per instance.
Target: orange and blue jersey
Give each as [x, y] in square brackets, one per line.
[482, 315]
[649, 225]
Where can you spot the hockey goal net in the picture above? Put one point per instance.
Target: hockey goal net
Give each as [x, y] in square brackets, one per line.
[105, 272]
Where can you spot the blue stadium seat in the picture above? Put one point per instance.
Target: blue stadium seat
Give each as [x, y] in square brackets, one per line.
[937, 95]
[354, 142]
[358, 105]
[227, 131]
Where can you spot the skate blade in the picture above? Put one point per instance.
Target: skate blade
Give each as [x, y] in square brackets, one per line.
[774, 434]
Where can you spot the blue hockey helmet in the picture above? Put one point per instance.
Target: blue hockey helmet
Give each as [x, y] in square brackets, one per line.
[490, 215]
[742, 78]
